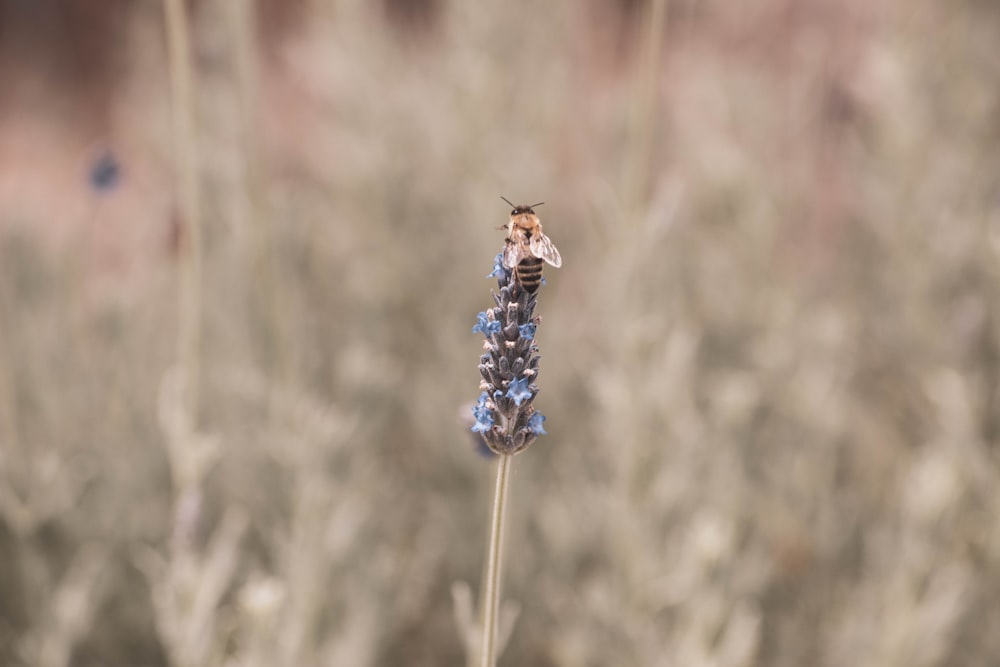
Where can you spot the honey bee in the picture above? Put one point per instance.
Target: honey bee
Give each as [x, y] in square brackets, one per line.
[527, 247]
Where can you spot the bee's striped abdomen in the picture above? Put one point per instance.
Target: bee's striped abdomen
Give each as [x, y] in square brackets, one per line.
[529, 273]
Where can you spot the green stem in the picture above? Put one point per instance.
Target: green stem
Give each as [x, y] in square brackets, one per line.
[491, 597]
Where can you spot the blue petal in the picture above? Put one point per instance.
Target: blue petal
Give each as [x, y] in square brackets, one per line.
[527, 330]
[483, 414]
[518, 391]
[485, 326]
[535, 423]
[480, 411]
[484, 423]
[499, 270]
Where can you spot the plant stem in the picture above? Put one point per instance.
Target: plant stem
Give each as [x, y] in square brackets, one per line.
[491, 597]
[189, 200]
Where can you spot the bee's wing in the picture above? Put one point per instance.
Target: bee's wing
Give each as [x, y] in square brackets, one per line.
[543, 248]
[516, 249]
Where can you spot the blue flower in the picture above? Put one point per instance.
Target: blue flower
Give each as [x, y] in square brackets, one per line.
[483, 414]
[518, 391]
[499, 270]
[481, 408]
[485, 326]
[484, 422]
[483, 425]
[105, 172]
[527, 330]
[535, 423]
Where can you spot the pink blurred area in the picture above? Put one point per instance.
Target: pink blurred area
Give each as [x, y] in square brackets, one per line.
[85, 87]
[84, 82]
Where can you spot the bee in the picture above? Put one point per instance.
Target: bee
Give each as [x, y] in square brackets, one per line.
[527, 247]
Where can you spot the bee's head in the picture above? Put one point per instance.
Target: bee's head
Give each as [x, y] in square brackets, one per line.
[521, 209]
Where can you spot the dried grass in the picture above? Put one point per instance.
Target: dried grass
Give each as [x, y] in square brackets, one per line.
[771, 362]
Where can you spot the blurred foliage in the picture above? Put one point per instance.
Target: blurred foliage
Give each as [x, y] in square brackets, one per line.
[770, 362]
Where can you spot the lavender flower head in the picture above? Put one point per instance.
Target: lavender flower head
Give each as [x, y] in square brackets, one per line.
[505, 415]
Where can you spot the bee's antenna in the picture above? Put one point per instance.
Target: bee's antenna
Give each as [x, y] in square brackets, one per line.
[508, 201]
[538, 204]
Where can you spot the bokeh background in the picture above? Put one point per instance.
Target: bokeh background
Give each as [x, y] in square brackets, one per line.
[233, 421]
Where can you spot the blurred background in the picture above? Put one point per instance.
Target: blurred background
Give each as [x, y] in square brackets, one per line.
[236, 359]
